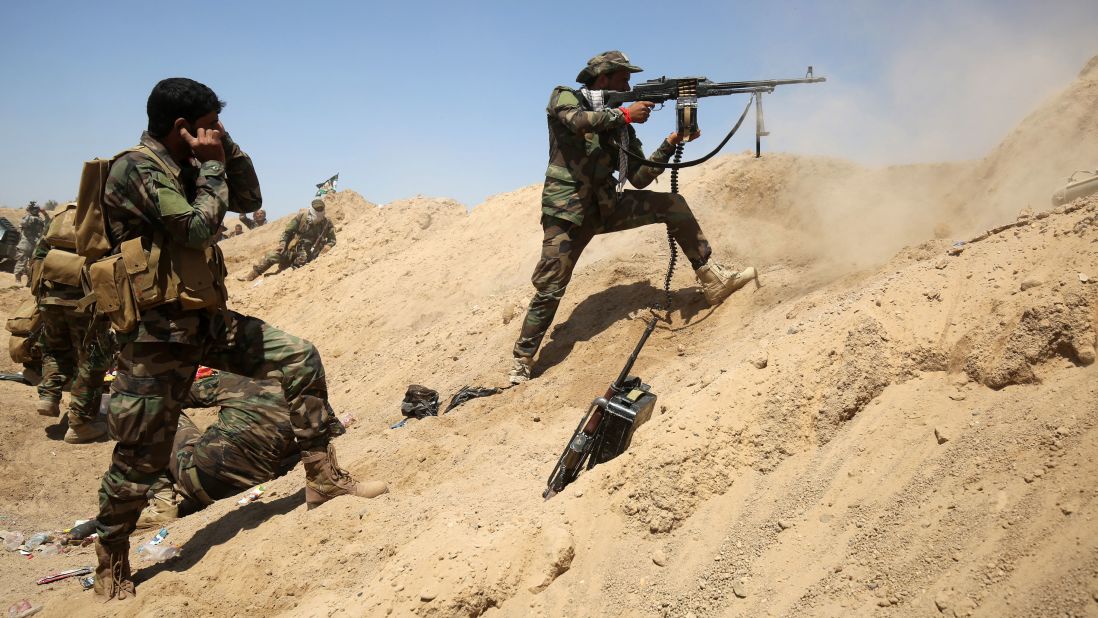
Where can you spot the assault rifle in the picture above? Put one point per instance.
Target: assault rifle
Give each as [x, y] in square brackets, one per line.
[314, 250]
[606, 430]
[687, 90]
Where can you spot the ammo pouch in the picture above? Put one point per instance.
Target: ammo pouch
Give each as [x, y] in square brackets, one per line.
[62, 267]
[113, 294]
[197, 277]
[136, 279]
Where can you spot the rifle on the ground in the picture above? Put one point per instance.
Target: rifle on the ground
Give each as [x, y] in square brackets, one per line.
[687, 90]
[606, 430]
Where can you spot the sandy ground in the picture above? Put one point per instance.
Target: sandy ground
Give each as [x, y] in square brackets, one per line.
[893, 425]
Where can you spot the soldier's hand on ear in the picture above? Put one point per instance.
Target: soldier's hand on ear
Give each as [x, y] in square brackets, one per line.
[640, 111]
[206, 146]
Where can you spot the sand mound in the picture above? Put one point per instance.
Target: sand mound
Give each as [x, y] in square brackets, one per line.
[891, 425]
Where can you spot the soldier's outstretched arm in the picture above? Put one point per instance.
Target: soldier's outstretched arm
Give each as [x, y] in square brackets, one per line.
[566, 107]
[244, 194]
[640, 175]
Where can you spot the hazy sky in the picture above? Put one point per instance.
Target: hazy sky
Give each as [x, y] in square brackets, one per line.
[447, 99]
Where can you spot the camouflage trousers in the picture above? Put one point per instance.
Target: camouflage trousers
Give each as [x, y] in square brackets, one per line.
[564, 241]
[156, 366]
[71, 350]
[295, 257]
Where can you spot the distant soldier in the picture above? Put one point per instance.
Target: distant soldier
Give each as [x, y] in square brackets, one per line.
[32, 227]
[259, 221]
[238, 230]
[251, 443]
[580, 199]
[74, 345]
[308, 234]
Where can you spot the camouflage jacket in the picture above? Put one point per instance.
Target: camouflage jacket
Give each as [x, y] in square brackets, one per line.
[252, 434]
[141, 198]
[307, 233]
[32, 227]
[580, 178]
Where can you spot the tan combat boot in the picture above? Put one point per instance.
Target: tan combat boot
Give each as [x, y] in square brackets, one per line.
[324, 479]
[718, 282]
[163, 508]
[112, 575]
[49, 408]
[521, 367]
[82, 432]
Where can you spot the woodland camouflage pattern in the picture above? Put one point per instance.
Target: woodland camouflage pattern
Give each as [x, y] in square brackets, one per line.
[73, 350]
[247, 443]
[306, 233]
[157, 361]
[580, 201]
[142, 198]
[74, 346]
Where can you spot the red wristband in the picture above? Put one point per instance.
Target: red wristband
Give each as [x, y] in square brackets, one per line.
[628, 118]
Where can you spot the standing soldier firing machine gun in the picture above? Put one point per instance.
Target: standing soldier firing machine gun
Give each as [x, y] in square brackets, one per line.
[590, 132]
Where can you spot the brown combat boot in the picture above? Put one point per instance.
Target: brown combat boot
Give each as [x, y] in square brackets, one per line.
[718, 282]
[112, 575]
[324, 479]
[82, 432]
[49, 408]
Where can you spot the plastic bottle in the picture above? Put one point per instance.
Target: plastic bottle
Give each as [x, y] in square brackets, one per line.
[37, 540]
[157, 553]
[12, 540]
[160, 536]
[252, 495]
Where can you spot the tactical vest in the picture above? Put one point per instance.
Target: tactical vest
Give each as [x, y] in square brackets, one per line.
[144, 272]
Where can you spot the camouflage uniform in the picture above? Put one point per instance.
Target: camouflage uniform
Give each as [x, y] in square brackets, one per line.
[245, 447]
[72, 341]
[31, 227]
[298, 238]
[580, 201]
[158, 359]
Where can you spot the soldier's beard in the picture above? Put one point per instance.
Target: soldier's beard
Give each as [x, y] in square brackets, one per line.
[315, 215]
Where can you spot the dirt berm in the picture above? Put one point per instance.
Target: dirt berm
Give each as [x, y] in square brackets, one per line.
[893, 425]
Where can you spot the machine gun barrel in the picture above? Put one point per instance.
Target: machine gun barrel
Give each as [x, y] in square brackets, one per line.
[663, 89]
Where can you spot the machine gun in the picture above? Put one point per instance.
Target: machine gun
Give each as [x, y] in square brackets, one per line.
[687, 90]
[606, 430]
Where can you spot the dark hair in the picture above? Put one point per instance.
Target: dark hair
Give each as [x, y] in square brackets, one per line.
[179, 97]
